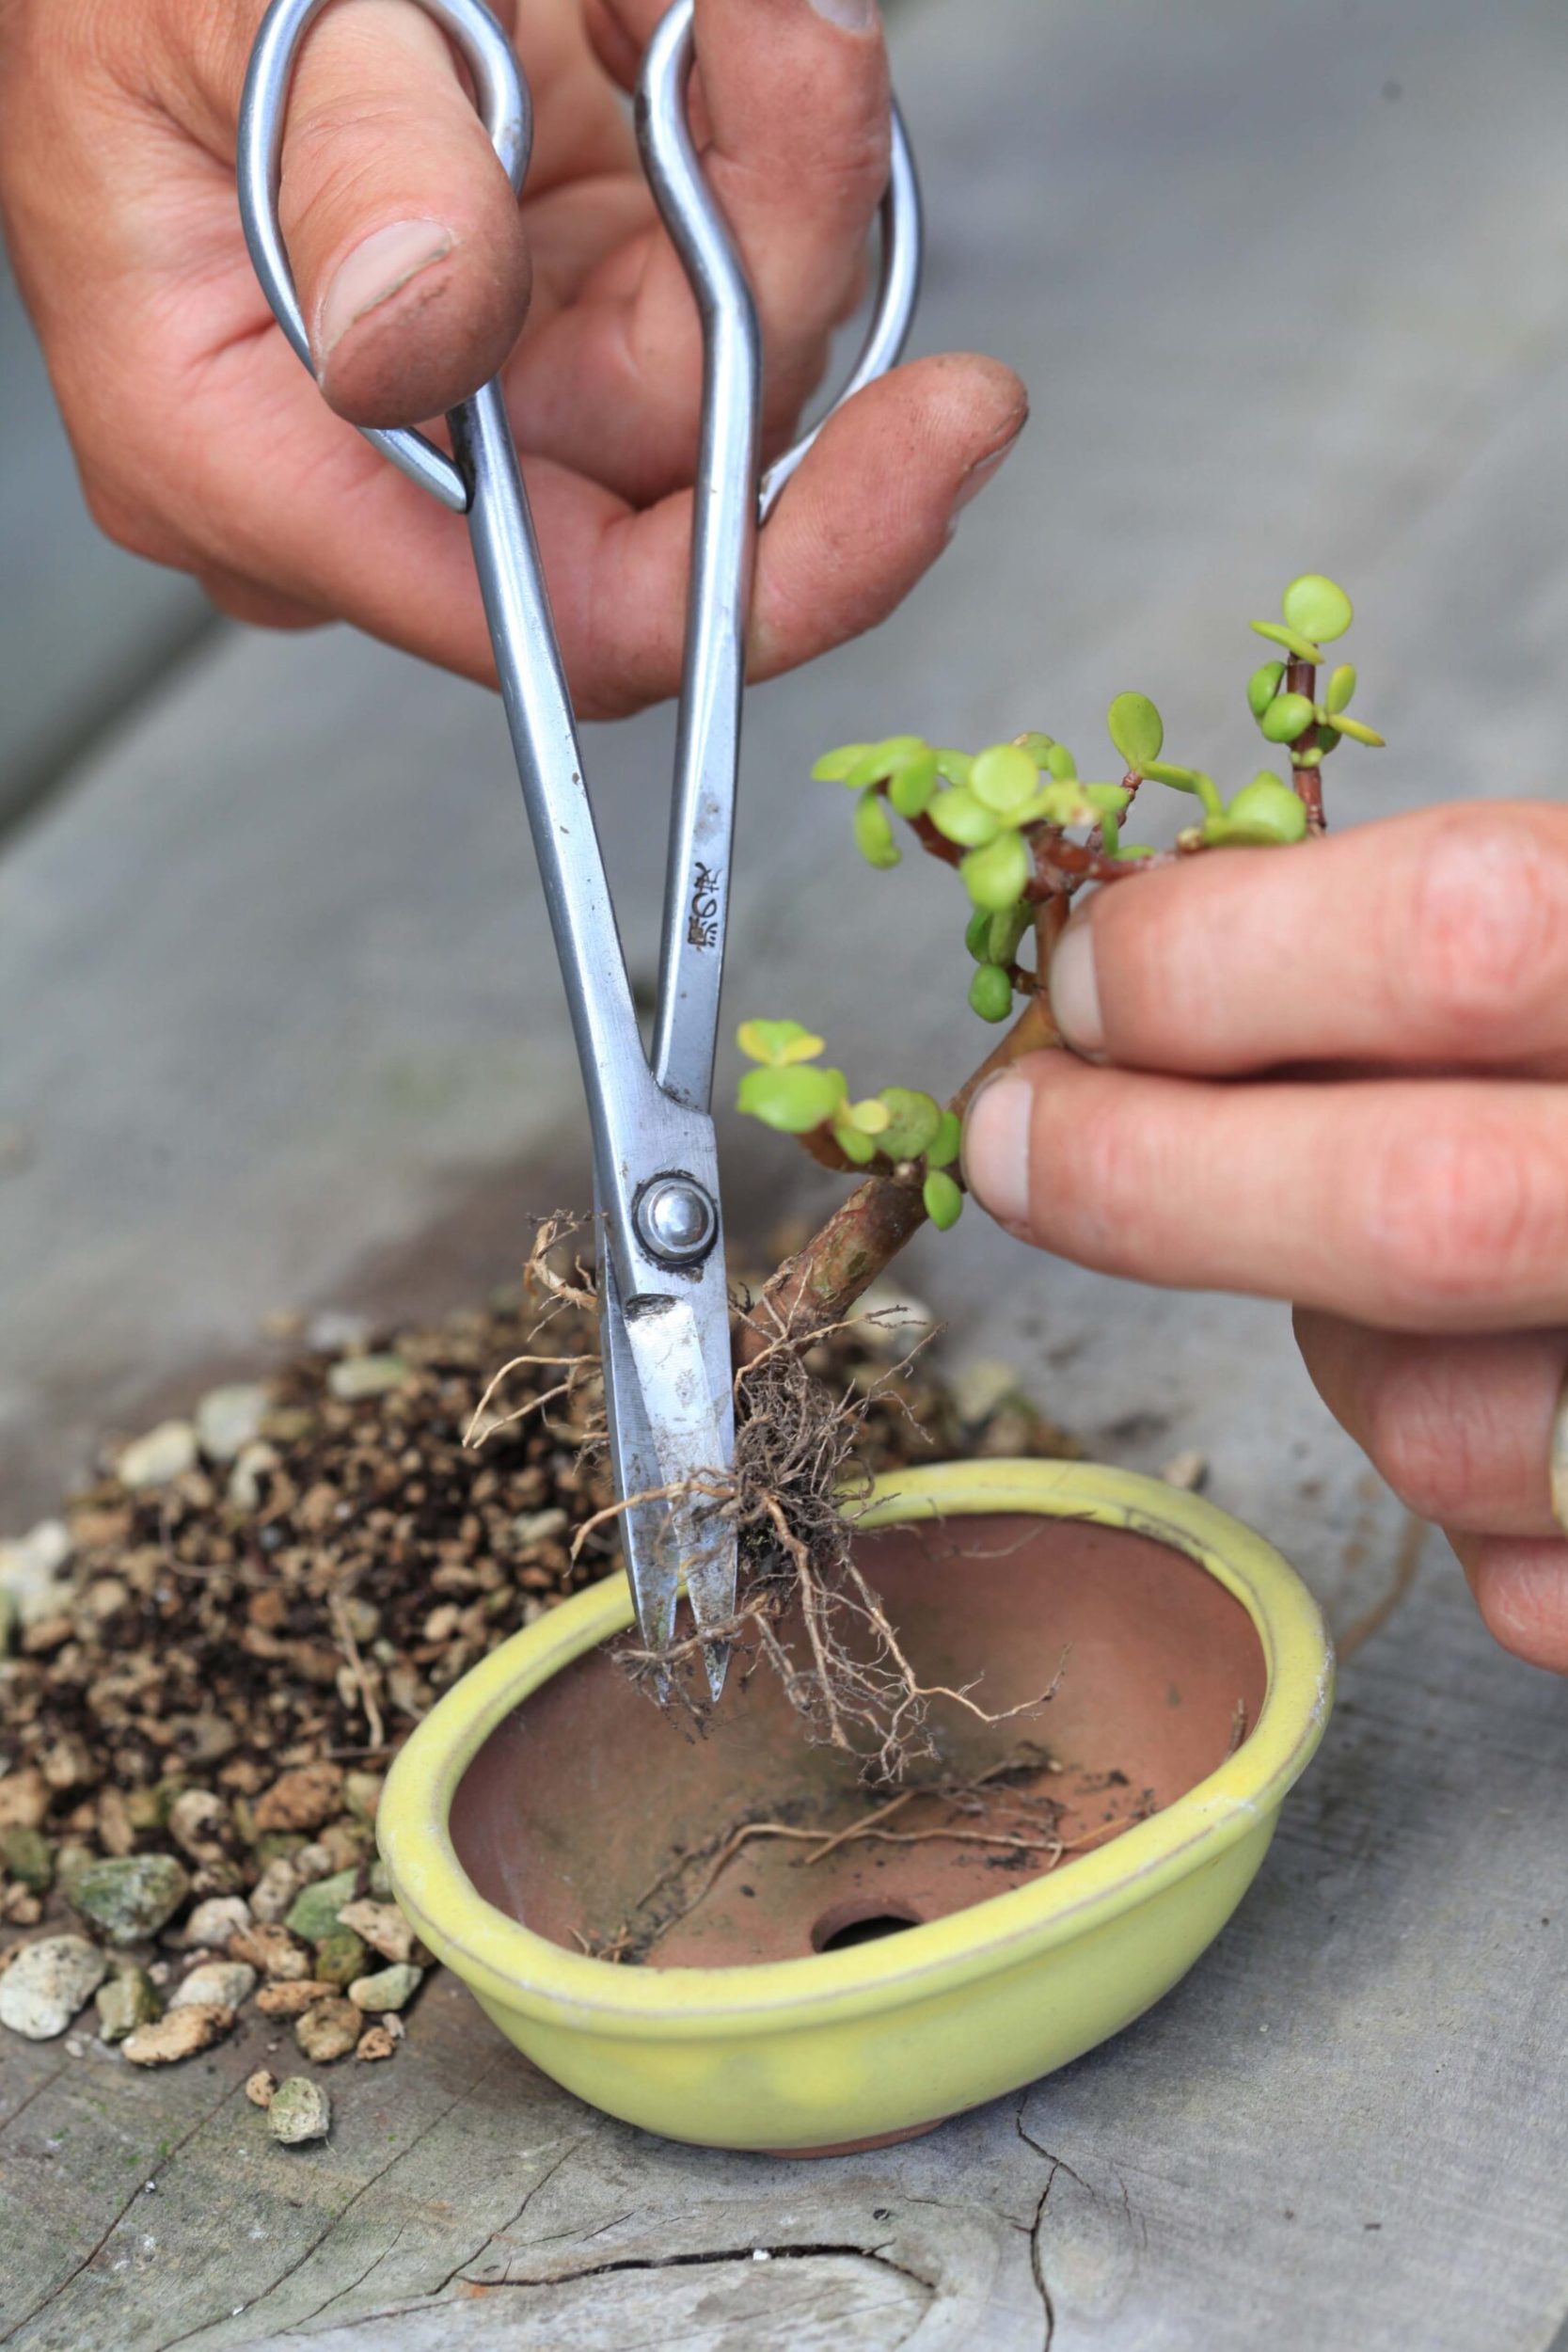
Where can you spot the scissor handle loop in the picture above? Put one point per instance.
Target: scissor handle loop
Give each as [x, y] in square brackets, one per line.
[507, 115]
[504, 107]
[897, 291]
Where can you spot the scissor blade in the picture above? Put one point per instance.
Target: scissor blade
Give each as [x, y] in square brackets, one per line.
[666, 1427]
[647, 1530]
[690, 1434]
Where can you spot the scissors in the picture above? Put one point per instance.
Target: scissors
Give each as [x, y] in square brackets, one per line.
[664, 1310]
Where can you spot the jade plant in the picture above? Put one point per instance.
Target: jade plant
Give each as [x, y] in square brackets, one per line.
[1024, 832]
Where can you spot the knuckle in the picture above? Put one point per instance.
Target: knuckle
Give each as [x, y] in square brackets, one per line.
[1487, 925]
[1456, 1212]
[124, 520]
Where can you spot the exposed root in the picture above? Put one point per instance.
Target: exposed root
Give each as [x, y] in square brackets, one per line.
[363, 1681]
[1024, 1824]
[803, 1607]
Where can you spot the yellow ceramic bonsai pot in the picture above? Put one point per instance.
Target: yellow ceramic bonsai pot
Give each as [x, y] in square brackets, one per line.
[530, 1809]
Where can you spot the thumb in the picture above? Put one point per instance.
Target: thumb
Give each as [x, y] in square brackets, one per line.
[402, 230]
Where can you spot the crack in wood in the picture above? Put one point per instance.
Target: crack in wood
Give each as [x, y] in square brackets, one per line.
[543, 2182]
[334, 2222]
[712, 2256]
[93, 2251]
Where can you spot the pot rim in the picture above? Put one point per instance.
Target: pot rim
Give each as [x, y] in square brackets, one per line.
[513, 1967]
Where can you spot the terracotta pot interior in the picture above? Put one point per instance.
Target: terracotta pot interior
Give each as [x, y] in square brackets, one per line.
[586, 1796]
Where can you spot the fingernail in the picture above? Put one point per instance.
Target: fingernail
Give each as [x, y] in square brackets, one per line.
[978, 475]
[982, 471]
[378, 268]
[1075, 991]
[996, 1148]
[850, 16]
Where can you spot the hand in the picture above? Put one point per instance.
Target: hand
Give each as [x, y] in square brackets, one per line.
[1395, 1000]
[203, 444]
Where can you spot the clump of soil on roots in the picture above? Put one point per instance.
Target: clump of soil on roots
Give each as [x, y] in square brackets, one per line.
[816, 1419]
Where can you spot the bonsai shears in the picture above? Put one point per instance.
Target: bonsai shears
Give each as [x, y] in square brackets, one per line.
[663, 1304]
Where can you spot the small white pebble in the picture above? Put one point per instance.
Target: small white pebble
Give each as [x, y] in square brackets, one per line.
[761, 2255]
[1188, 1471]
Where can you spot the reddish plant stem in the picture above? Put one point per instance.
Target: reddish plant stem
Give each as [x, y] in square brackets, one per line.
[1300, 678]
[935, 844]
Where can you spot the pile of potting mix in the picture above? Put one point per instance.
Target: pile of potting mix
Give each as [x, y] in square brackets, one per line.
[207, 1665]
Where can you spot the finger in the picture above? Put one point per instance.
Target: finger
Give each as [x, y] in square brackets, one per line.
[403, 235]
[1440, 938]
[1418, 1205]
[243, 600]
[1460, 1428]
[871, 508]
[1521, 1589]
[794, 109]
[341, 531]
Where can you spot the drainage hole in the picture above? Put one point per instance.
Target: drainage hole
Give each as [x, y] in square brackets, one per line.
[835, 1933]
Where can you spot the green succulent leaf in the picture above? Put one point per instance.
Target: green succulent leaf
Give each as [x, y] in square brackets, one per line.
[1038, 746]
[1262, 685]
[944, 1198]
[834, 766]
[1300, 647]
[1354, 728]
[959, 816]
[954, 766]
[1004, 779]
[1136, 730]
[1003, 933]
[990, 993]
[793, 1101]
[1107, 800]
[1262, 811]
[1287, 717]
[977, 934]
[874, 830]
[870, 1116]
[1060, 763]
[1318, 607]
[879, 761]
[914, 1120]
[949, 1139]
[910, 786]
[1128, 850]
[854, 1145]
[1165, 772]
[1060, 805]
[1187, 780]
[997, 875]
[1340, 687]
[777, 1043]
